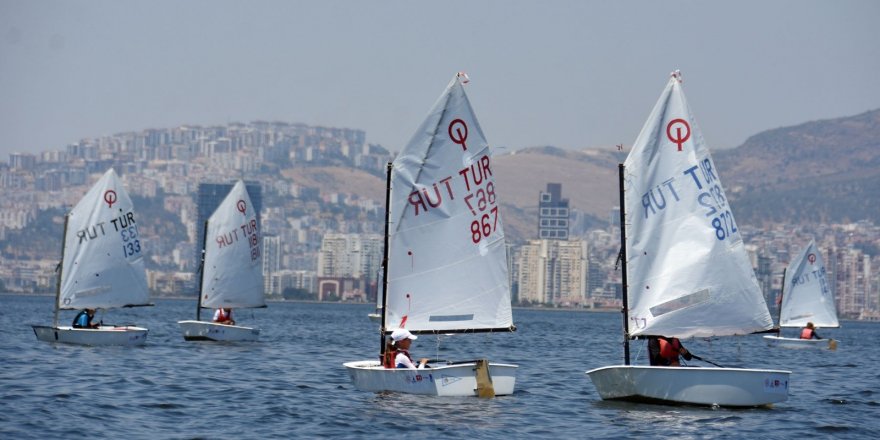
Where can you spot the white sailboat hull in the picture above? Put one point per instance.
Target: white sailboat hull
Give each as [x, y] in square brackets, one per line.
[375, 317]
[447, 380]
[210, 331]
[115, 335]
[777, 341]
[729, 387]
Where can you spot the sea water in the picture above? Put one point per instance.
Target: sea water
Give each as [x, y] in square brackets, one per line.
[291, 383]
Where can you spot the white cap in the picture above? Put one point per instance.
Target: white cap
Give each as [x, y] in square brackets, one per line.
[401, 334]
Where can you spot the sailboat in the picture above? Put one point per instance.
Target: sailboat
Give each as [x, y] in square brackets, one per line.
[102, 266]
[685, 269]
[806, 297]
[445, 266]
[231, 272]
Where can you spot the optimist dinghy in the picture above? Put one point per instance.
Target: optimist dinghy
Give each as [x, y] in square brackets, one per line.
[102, 266]
[445, 256]
[685, 269]
[806, 297]
[231, 275]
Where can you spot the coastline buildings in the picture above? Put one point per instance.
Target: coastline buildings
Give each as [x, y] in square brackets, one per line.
[562, 264]
[553, 272]
[348, 266]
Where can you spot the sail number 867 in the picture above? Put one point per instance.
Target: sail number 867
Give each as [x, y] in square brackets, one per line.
[485, 225]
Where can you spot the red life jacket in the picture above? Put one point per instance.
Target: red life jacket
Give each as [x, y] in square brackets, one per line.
[222, 316]
[393, 358]
[388, 360]
[807, 333]
[670, 349]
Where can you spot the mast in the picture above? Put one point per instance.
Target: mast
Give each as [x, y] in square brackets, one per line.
[390, 166]
[202, 275]
[60, 270]
[623, 280]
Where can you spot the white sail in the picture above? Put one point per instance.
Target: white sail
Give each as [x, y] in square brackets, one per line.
[447, 267]
[102, 265]
[689, 274]
[806, 295]
[233, 275]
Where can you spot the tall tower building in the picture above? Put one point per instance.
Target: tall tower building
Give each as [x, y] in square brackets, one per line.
[271, 261]
[348, 263]
[553, 214]
[350, 256]
[553, 272]
[764, 274]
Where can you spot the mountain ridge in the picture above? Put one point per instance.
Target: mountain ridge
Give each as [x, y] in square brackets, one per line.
[818, 171]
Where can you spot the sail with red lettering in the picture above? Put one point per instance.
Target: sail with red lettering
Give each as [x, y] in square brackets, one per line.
[233, 273]
[807, 295]
[689, 273]
[103, 264]
[447, 265]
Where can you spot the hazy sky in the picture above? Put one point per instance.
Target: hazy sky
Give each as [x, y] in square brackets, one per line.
[573, 74]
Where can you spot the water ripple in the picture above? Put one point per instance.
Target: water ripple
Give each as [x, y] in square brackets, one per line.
[291, 384]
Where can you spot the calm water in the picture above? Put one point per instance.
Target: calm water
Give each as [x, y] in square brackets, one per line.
[292, 383]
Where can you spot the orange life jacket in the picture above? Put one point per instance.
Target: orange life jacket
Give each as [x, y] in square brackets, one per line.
[669, 349]
[807, 333]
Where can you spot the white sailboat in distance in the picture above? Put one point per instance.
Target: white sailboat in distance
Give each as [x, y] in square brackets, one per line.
[231, 275]
[445, 258]
[685, 269]
[102, 266]
[806, 297]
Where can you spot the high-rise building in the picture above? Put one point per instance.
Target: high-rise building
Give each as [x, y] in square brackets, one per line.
[209, 198]
[852, 276]
[764, 274]
[271, 261]
[348, 266]
[553, 214]
[350, 256]
[553, 272]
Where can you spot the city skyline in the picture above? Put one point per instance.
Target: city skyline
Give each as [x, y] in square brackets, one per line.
[571, 74]
[324, 244]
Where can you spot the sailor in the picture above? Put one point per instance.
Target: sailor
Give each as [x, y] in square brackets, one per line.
[84, 319]
[809, 332]
[224, 316]
[401, 339]
[664, 351]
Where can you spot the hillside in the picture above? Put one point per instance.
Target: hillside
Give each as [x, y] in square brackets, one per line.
[338, 179]
[820, 171]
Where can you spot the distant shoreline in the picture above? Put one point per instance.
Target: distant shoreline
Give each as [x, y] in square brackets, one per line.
[190, 298]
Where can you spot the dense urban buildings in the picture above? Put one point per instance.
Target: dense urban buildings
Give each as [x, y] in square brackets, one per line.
[323, 245]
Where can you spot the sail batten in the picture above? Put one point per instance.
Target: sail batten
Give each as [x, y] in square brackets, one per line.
[688, 271]
[807, 295]
[447, 269]
[233, 274]
[103, 266]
